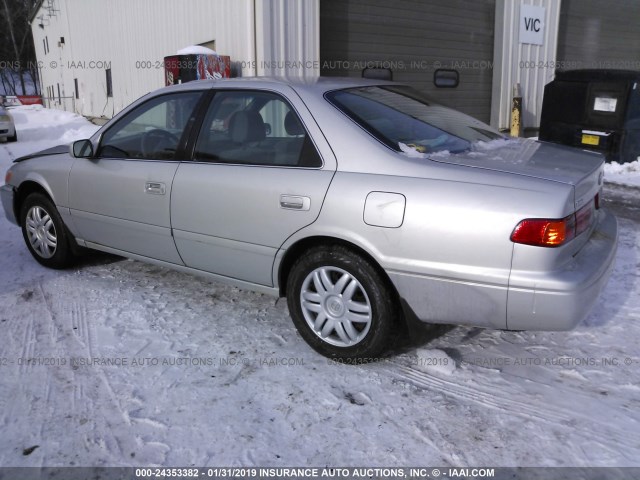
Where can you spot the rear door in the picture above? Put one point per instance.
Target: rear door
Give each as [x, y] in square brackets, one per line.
[257, 177]
[121, 198]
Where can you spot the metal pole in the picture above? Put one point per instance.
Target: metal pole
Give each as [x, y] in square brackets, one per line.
[516, 111]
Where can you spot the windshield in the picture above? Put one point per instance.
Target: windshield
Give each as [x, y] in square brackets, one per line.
[405, 120]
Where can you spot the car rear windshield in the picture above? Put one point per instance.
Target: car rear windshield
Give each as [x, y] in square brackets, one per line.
[404, 119]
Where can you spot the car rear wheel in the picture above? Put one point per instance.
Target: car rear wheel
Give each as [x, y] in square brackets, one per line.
[341, 305]
[44, 232]
[14, 138]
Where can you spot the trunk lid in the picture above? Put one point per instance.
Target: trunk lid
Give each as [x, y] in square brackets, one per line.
[557, 163]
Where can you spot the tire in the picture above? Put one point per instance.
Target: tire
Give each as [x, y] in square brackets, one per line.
[14, 138]
[341, 305]
[45, 234]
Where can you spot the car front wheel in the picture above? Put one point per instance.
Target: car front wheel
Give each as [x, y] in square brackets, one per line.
[341, 305]
[44, 232]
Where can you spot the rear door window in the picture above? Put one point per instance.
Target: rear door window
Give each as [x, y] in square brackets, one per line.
[254, 128]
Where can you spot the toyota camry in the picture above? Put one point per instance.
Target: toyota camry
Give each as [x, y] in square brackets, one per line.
[362, 202]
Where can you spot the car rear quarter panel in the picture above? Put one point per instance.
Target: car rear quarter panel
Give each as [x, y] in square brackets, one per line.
[450, 259]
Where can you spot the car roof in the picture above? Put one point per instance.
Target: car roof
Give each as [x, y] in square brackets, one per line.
[312, 84]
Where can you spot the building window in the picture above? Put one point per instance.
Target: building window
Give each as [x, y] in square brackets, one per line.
[75, 84]
[109, 84]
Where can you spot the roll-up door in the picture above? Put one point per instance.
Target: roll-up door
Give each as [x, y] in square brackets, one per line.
[413, 38]
[597, 34]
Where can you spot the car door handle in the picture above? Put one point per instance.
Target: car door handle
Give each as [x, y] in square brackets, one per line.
[155, 188]
[295, 202]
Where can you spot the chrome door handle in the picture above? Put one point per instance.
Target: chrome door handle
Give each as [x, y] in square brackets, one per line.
[295, 202]
[155, 188]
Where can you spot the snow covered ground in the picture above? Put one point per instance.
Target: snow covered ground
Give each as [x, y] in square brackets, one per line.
[623, 174]
[132, 364]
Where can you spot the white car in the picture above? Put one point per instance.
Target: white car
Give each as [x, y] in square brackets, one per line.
[7, 127]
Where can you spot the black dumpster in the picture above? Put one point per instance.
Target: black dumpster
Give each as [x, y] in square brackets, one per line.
[594, 109]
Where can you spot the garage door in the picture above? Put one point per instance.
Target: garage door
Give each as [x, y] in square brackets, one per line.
[414, 38]
[597, 34]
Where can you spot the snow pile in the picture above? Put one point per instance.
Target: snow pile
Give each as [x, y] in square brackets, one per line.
[434, 361]
[39, 128]
[495, 144]
[440, 154]
[478, 149]
[80, 133]
[196, 50]
[411, 151]
[34, 122]
[625, 173]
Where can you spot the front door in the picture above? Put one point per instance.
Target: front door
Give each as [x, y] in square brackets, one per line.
[121, 198]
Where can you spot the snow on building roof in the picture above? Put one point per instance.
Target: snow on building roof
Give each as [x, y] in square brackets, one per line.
[196, 50]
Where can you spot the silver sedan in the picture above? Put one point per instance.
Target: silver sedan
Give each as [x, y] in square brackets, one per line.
[363, 202]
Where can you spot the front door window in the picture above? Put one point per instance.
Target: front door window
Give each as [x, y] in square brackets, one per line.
[152, 131]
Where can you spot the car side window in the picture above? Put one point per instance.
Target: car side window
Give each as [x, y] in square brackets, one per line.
[254, 128]
[151, 131]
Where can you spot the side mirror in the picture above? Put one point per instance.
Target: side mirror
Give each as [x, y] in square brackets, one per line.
[81, 149]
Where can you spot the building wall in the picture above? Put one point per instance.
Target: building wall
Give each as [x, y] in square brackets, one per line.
[134, 37]
[304, 37]
[289, 30]
[529, 65]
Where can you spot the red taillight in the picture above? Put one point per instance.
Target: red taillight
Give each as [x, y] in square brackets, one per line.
[544, 232]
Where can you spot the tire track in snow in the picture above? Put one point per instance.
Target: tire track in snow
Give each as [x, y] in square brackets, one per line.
[551, 414]
[34, 394]
[94, 396]
[28, 349]
[430, 382]
[10, 154]
[79, 323]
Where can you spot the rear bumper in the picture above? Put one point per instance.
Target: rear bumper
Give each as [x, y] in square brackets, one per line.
[7, 192]
[560, 300]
